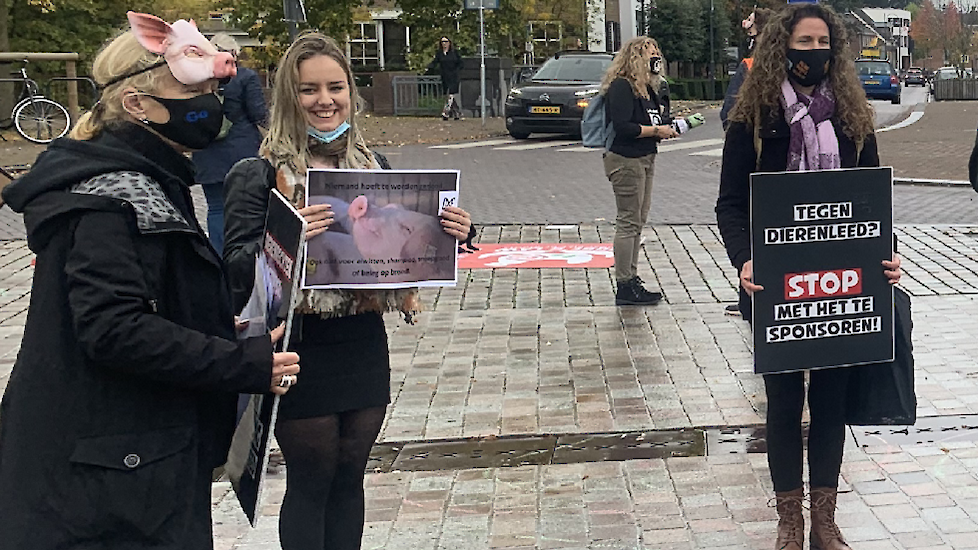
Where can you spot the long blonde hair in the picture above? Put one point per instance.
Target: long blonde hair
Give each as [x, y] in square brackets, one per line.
[121, 55]
[631, 65]
[761, 92]
[287, 140]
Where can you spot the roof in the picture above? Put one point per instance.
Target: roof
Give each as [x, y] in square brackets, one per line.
[882, 15]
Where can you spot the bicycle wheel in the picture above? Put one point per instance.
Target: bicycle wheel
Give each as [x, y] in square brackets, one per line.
[41, 120]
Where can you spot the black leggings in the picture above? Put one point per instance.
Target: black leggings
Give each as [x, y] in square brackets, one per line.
[325, 459]
[826, 433]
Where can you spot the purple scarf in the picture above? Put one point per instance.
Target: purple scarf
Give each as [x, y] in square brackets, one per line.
[813, 144]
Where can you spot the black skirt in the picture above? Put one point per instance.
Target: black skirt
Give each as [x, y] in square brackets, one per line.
[344, 366]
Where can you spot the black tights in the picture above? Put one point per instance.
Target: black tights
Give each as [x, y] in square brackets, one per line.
[324, 461]
[826, 433]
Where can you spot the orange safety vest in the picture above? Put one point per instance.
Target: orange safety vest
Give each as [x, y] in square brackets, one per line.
[749, 61]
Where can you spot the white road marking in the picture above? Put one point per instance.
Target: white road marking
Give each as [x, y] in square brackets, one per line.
[539, 145]
[914, 117]
[680, 145]
[663, 147]
[710, 153]
[471, 144]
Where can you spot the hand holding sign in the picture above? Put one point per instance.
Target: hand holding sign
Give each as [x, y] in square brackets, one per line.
[892, 270]
[747, 278]
[456, 222]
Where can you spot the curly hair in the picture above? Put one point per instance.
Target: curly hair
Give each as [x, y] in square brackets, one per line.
[632, 66]
[762, 89]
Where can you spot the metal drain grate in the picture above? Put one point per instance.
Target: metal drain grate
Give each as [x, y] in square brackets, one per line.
[748, 439]
[479, 453]
[933, 429]
[512, 451]
[572, 449]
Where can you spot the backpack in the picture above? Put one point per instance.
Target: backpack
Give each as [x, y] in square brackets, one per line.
[596, 131]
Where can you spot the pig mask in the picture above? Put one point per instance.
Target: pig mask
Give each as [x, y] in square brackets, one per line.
[192, 59]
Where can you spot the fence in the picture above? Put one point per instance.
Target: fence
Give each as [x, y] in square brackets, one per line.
[955, 89]
[418, 95]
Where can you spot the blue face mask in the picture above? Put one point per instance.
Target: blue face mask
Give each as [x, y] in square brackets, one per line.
[327, 137]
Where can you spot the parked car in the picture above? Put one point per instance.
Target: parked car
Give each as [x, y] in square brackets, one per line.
[944, 73]
[554, 99]
[879, 79]
[915, 76]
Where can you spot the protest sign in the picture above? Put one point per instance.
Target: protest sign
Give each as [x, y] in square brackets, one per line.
[818, 240]
[272, 301]
[386, 231]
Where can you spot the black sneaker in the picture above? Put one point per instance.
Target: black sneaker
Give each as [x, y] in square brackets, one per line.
[732, 309]
[632, 293]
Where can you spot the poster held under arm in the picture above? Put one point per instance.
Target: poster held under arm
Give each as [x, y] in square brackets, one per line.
[273, 299]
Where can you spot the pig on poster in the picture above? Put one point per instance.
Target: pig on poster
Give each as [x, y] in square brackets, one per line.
[818, 240]
[386, 231]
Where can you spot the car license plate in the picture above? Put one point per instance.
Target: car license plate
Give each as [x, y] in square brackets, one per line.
[872, 83]
[539, 110]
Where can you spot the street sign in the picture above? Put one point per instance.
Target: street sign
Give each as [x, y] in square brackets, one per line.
[486, 4]
[817, 242]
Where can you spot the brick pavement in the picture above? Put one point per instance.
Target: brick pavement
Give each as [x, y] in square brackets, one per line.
[541, 351]
[938, 146]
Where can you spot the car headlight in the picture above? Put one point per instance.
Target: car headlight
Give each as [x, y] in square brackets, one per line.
[514, 93]
[582, 103]
[586, 93]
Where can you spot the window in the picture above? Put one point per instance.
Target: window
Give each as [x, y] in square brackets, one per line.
[363, 45]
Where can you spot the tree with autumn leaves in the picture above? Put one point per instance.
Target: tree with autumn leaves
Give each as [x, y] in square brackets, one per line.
[935, 30]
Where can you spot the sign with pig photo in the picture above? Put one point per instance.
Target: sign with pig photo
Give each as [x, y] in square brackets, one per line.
[818, 240]
[386, 232]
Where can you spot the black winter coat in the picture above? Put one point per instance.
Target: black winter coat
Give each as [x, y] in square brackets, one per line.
[740, 160]
[244, 106]
[449, 66]
[122, 399]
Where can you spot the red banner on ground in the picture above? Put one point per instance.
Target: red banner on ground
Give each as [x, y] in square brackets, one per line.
[542, 255]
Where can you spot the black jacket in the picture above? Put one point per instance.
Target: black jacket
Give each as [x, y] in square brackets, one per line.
[122, 399]
[973, 166]
[449, 65]
[628, 112]
[740, 160]
[733, 88]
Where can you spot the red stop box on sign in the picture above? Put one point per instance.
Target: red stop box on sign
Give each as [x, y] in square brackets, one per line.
[823, 284]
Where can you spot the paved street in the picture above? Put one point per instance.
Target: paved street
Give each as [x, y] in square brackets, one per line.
[512, 361]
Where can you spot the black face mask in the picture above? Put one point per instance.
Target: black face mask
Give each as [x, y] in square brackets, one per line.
[194, 122]
[808, 67]
[655, 64]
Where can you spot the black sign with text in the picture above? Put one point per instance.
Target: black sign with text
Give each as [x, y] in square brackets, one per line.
[818, 240]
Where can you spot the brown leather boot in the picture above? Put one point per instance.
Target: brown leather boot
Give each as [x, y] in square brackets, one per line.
[825, 534]
[791, 524]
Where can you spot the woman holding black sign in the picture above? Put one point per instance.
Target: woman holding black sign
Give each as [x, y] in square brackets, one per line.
[326, 430]
[802, 107]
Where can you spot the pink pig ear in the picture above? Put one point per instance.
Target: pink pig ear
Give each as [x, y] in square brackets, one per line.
[358, 208]
[150, 31]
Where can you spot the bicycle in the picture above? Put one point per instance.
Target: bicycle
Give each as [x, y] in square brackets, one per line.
[36, 118]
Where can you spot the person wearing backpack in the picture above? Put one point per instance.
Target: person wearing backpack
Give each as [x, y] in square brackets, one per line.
[802, 108]
[636, 100]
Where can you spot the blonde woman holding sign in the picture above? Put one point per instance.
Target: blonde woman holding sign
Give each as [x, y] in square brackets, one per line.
[327, 430]
[802, 107]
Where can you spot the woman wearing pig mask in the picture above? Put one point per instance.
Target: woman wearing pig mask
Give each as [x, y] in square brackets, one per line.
[122, 400]
[802, 107]
[325, 431]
